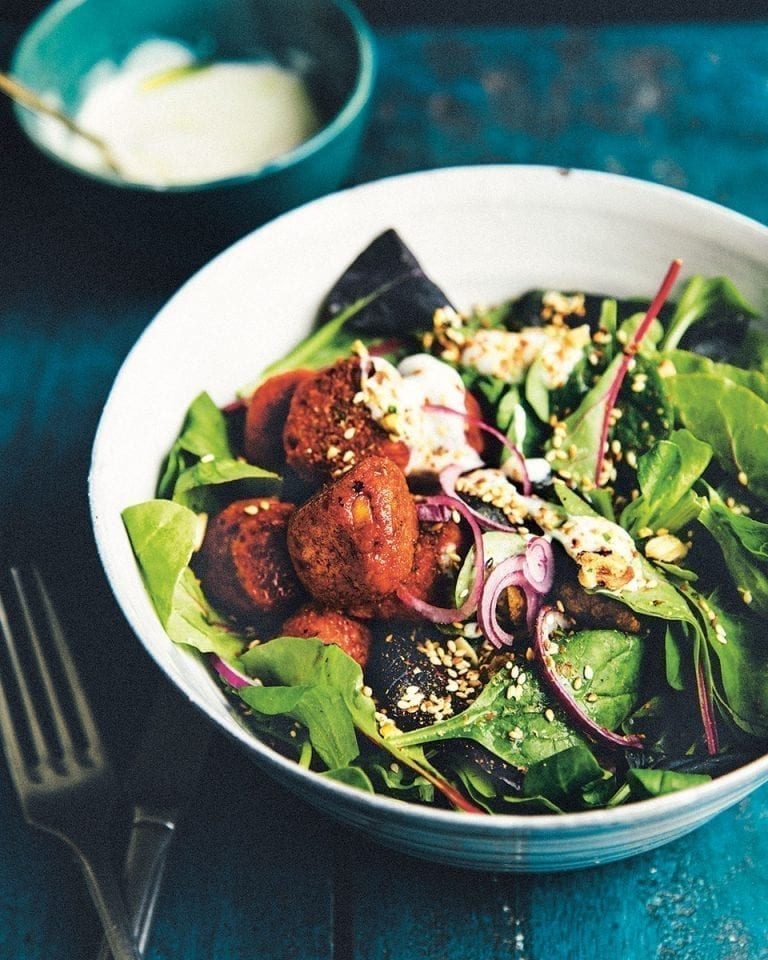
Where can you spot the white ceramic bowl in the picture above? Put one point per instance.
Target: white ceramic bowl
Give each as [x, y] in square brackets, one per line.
[483, 233]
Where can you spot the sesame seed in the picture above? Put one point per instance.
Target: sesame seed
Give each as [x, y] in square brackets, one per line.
[549, 714]
[588, 672]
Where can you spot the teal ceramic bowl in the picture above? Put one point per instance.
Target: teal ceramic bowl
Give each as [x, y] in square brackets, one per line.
[327, 41]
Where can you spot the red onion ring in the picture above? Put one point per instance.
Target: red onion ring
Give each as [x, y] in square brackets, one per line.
[448, 477]
[548, 620]
[229, 674]
[533, 572]
[432, 512]
[539, 564]
[451, 614]
[508, 573]
[525, 480]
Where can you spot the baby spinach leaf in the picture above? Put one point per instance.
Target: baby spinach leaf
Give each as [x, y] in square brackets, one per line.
[651, 338]
[685, 361]
[163, 535]
[298, 661]
[580, 445]
[514, 729]
[320, 708]
[646, 412]
[573, 504]
[665, 475]
[568, 778]
[204, 433]
[318, 685]
[536, 388]
[732, 419]
[195, 624]
[209, 485]
[351, 776]
[399, 780]
[742, 652]
[744, 543]
[714, 301]
[646, 417]
[320, 349]
[650, 782]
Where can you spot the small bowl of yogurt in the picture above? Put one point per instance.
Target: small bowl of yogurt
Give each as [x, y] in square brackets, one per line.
[260, 105]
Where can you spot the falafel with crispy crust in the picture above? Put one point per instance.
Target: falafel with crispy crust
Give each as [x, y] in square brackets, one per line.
[330, 626]
[328, 429]
[353, 542]
[243, 563]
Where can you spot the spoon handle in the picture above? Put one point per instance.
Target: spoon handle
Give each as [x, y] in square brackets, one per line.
[28, 98]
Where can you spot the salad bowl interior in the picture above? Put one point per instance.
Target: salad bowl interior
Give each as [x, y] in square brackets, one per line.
[484, 234]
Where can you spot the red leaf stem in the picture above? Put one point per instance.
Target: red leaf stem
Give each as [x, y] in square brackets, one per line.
[707, 713]
[628, 354]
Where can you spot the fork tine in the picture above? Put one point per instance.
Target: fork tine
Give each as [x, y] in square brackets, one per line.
[11, 733]
[75, 689]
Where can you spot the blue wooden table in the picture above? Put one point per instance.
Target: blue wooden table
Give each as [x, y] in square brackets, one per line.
[254, 873]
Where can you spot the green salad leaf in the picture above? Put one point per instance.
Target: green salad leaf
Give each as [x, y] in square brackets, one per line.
[665, 476]
[731, 418]
[163, 535]
[203, 434]
[569, 779]
[209, 485]
[741, 648]
[650, 782]
[701, 299]
[744, 544]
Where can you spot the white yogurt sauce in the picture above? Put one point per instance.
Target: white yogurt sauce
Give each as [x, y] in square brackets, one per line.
[168, 121]
[396, 398]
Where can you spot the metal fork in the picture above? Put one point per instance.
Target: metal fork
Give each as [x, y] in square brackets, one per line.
[54, 752]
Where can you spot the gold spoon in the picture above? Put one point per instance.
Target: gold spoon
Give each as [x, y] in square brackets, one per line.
[33, 101]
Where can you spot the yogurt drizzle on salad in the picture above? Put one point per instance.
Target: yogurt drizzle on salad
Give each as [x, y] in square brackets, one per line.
[399, 399]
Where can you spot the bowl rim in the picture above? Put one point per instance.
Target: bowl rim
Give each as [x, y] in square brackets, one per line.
[357, 100]
[733, 785]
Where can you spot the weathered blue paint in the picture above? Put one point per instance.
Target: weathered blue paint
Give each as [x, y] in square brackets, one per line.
[255, 874]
